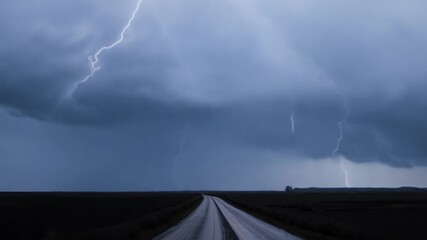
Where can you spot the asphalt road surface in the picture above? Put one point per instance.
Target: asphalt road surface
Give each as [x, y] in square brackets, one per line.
[215, 219]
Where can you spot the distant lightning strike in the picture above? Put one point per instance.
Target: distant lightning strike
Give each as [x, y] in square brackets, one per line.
[179, 152]
[292, 122]
[344, 170]
[94, 60]
[337, 148]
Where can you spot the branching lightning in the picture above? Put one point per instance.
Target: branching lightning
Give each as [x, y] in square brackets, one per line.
[341, 136]
[94, 60]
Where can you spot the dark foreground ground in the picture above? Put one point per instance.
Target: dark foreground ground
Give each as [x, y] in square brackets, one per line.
[106, 216]
[309, 213]
[339, 213]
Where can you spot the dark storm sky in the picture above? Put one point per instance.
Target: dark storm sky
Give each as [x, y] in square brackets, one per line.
[200, 93]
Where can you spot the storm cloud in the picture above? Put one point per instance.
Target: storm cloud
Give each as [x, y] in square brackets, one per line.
[233, 71]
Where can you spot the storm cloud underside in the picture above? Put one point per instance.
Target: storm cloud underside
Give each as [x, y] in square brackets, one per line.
[259, 84]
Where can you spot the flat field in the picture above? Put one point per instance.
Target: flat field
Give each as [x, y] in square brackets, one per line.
[340, 213]
[309, 213]
[91, 215]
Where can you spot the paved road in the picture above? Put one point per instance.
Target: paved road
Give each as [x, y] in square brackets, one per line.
[215, 219]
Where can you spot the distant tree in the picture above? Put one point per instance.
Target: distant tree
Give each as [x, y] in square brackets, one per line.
[289, 188]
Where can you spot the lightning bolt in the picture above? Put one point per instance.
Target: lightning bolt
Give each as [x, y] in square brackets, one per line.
[94, 59]
[292, 121]
[344, 170]
[180, 148]
[340, 138]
